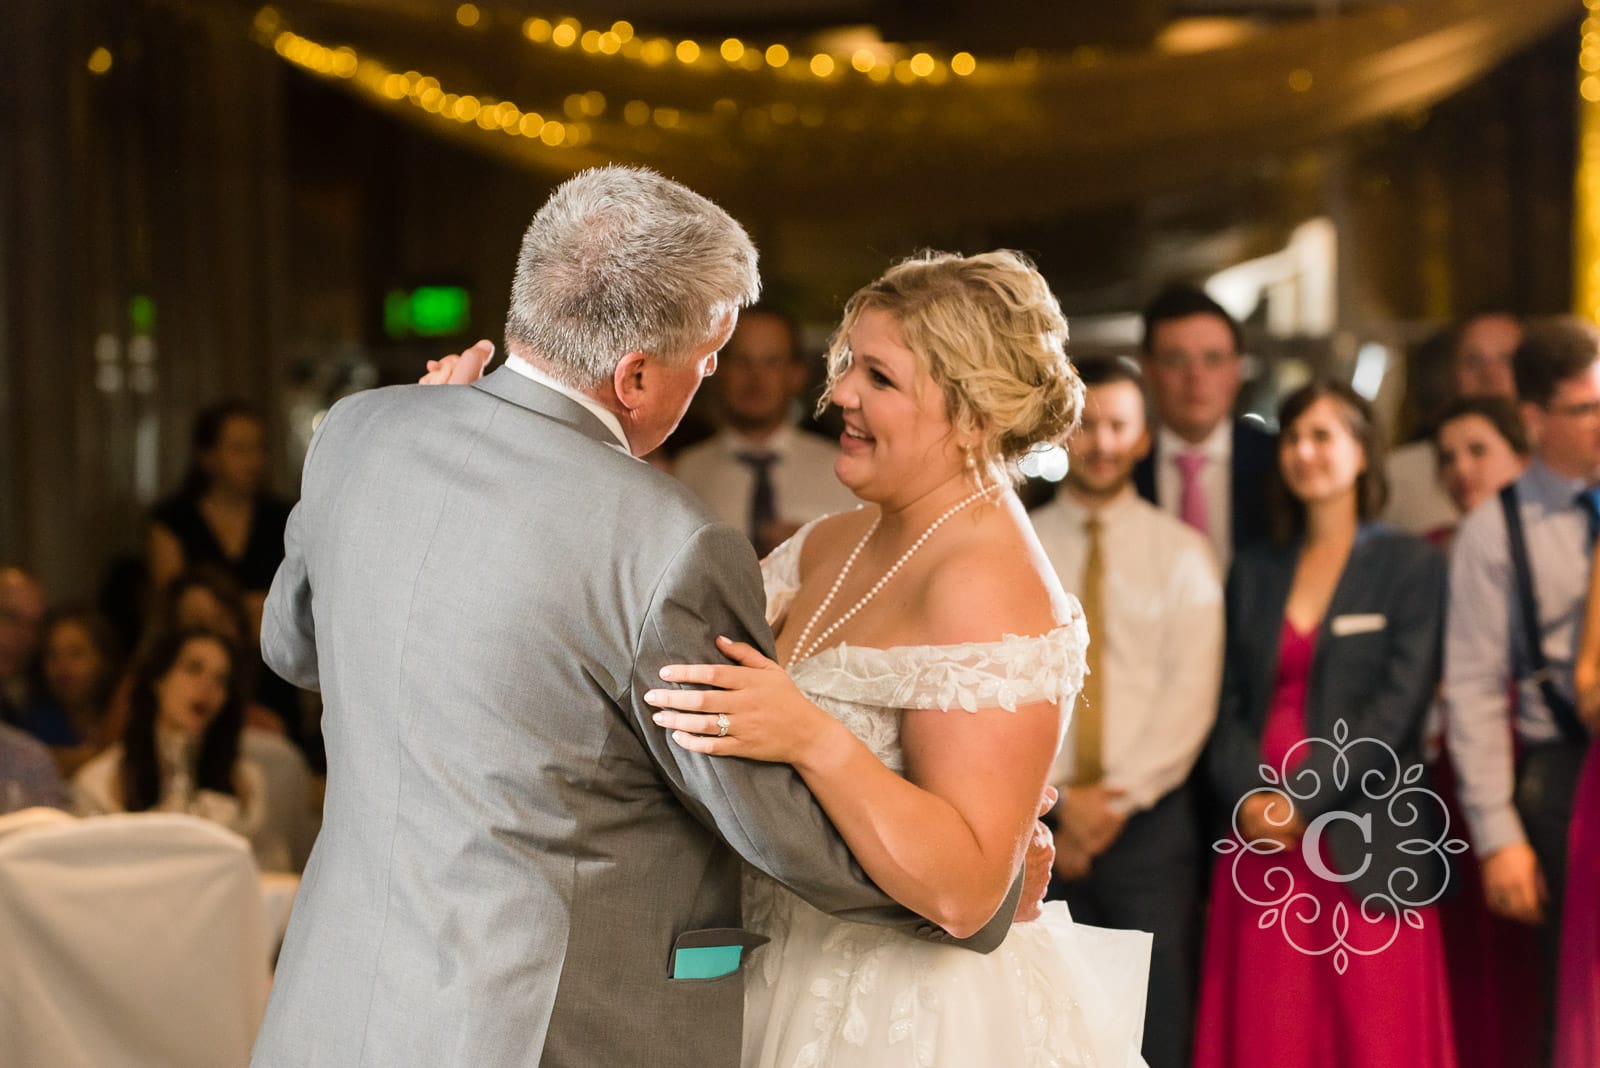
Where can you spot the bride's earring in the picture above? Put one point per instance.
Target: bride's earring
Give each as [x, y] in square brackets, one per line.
[972, 469]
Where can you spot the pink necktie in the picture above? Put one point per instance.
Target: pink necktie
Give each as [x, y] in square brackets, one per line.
[1192, 500]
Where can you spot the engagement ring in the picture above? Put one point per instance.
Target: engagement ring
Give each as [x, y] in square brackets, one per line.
[722, 724]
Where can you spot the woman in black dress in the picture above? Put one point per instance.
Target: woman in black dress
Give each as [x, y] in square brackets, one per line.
[222, 514]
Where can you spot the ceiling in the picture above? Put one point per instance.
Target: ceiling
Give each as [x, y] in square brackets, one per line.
[1068, 103]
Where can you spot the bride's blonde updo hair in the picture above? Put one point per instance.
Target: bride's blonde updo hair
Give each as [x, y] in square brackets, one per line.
[992, 337]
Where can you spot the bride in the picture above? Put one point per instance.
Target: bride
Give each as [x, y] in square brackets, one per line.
[929, 657]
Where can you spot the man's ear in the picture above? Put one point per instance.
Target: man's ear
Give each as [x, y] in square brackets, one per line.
[629, 379]
[1532, 421]
[1141, 448]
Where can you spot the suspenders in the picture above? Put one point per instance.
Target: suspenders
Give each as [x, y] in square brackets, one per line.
[1561, 707]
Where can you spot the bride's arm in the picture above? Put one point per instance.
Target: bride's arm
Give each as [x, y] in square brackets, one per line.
[946, 840]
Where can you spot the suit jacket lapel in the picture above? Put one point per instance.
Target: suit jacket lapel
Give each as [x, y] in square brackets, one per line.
[1274, 602]
[1352, 585]
[524, 392]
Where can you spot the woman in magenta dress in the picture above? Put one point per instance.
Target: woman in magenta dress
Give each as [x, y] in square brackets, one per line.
[1492, 961]
[1323, 947]
[1578, 993]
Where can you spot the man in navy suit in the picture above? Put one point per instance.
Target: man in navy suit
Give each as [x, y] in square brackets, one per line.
[1206, 467]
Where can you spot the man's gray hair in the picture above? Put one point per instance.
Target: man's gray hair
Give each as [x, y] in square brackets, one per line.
[622, 260]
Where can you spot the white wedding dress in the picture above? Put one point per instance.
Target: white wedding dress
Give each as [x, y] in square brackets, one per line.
[830, 993]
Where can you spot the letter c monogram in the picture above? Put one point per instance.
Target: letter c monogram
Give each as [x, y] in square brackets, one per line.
[1311, 845]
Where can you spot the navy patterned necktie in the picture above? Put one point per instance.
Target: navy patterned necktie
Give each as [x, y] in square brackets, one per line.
[763, 502]
[1589, 501]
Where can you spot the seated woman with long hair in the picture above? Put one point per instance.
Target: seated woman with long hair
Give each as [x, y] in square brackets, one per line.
[180, 748]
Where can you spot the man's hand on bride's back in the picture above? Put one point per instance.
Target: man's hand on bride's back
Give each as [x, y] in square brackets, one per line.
[1037, 863]
[458, 369]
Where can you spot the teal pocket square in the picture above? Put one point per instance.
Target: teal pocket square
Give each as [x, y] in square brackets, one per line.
[711, 953]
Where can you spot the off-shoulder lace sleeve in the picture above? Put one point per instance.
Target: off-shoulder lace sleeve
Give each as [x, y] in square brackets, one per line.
[1014, 671]
[780, 574]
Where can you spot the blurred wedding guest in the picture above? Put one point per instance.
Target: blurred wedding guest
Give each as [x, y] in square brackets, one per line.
[1126, 849]
[27, 773]
[760, 473]
[81, 665]
[207, 596]
[1577, 1042]
[21, 613]
[1480, 447]
[1206, 467]
[222, 513]
[1519, 575]
[180, 749]
[1492, 961]
[1480, 367]
[203, 596]
[1333, 633]
[281, 746]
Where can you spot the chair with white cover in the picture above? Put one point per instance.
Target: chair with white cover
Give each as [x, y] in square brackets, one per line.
[28, 818]
[130, 940]
[284, 841]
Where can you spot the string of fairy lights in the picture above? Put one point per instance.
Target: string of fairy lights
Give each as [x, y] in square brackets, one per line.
[877, 62]
[1586, 190]
[571, 124]
[427, 94]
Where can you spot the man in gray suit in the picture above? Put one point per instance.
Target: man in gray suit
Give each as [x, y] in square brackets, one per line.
[514, 861]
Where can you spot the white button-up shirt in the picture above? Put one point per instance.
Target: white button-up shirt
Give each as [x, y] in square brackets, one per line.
[1485, 645]
[1162, 635]
[803, 483]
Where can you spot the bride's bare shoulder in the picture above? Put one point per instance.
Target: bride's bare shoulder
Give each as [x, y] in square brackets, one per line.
[833, 537]
[994, 584]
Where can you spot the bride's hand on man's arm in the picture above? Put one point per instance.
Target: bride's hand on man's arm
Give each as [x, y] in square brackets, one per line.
[461, 368]
[766, 716]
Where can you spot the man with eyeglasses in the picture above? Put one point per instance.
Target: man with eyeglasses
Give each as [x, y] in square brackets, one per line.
[1518, 580]
[1206, 467]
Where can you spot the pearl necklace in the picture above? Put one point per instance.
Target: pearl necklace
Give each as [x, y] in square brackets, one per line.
[801, 649]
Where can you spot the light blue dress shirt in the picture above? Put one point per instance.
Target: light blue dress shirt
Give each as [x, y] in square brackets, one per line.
[1485, 647]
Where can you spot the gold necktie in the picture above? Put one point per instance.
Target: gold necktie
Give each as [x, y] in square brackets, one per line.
[1087, 723]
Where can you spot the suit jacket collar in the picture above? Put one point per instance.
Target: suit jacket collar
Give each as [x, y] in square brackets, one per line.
[1353, 583]
[524, 392]
[1217, 446]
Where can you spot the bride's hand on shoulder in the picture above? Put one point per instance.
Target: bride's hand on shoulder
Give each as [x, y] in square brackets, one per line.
[754, 710]
[459, 368]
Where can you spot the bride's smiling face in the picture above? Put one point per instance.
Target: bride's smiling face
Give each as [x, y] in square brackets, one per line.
[898, 442]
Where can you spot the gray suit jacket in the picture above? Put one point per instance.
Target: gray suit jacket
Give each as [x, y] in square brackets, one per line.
[483, 585]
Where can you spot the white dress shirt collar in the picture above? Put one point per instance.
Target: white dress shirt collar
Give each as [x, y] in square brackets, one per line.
[1217, 446]
[527, 370]
[1109, 512]
[777, 443]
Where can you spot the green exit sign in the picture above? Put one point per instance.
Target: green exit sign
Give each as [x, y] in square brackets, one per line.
[427, 311]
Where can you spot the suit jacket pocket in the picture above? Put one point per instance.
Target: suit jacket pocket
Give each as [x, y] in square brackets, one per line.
[711, 953]
[1357, 623]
